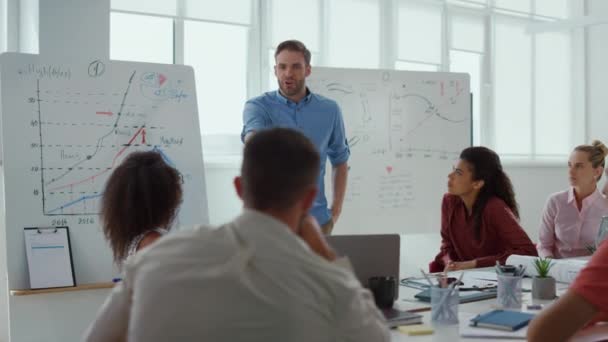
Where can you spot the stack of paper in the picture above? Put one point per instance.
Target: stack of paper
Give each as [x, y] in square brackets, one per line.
[396, 317]
[563, 270]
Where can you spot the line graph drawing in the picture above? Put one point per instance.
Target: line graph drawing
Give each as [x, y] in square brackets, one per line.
[73, 173]
[414, 117]
[405, 129]
[99, 141]
[67, 122]
[397, 116]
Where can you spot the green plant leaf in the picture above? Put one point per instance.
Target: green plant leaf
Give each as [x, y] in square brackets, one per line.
[543, 266]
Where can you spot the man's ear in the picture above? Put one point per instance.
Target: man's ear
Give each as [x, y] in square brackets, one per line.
[308, 198]
[238, 186]
[308, 70]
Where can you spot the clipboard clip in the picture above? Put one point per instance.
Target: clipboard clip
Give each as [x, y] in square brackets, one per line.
[46, 230]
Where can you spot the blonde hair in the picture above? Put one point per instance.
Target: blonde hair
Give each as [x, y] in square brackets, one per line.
[597, 152]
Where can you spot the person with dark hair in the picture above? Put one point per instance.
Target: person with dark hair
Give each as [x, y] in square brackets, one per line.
[479, 215]
[319, 118]
[571, 218]
[139, 203]
[268, 275]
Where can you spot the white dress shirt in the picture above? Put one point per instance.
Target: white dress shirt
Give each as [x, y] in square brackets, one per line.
[252, 279]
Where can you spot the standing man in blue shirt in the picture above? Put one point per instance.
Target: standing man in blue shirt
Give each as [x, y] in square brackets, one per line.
[319, 118]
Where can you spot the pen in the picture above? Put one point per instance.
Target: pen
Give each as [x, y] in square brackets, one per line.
[442, 302]
[426, 277]
[497, 267]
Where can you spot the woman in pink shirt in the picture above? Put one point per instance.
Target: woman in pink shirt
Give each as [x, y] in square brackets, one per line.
[479, 216]
[571, 218]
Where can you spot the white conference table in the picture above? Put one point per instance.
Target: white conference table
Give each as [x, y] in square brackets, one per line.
[451, 332]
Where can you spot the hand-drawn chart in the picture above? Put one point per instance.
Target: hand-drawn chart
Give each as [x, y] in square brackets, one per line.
[73, 170]
[405, 130]
[67, 124]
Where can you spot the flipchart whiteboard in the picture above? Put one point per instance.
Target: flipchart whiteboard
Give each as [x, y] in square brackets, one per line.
[405, 130]
[66, 124]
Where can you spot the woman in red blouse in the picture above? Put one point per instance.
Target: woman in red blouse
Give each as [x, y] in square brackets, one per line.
[479, 216]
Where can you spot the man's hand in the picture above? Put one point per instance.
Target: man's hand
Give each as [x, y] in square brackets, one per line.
[460, 265]
[311, 233]
[336, 210]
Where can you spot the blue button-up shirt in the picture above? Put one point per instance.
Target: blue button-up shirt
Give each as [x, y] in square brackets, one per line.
[318, 117]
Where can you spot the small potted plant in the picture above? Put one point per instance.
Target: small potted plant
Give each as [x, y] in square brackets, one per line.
[543, 285]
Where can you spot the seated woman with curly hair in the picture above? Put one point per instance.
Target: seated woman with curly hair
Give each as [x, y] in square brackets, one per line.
[139, 203]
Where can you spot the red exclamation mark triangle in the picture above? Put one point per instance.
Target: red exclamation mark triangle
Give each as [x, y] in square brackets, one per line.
[389, 169]
[161, 79]
[143, 136]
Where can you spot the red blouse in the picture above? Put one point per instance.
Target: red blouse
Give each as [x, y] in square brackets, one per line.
[500, 234]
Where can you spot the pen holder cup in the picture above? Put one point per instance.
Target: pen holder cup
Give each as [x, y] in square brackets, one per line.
[509, 293]
[444, 305]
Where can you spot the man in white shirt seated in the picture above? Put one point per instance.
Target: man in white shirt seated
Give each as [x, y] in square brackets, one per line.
[267, 276]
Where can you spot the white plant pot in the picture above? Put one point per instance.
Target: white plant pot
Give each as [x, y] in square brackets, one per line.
[543, 288]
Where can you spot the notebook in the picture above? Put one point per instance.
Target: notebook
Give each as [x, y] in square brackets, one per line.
[483, 334]
[465, 296]
[395, 318]
[502, 320]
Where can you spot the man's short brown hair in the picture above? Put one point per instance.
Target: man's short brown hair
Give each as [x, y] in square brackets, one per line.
[293, 45]
[279, 166]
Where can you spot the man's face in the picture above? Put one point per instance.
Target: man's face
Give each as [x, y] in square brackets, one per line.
[291, 71]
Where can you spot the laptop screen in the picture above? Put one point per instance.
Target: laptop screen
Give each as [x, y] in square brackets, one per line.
[370, 255]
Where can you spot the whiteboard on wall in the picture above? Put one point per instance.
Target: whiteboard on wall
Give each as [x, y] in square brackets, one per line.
[66, 124]
[405, 130]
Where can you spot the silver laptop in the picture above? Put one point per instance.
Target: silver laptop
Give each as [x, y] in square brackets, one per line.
[602, 233]
[370, 255]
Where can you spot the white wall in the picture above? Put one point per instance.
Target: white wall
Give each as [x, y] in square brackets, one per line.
[224, 204]
[54, 317]
[597, 72]
[63, 27]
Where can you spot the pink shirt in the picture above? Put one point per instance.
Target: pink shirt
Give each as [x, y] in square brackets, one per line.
[565, 231]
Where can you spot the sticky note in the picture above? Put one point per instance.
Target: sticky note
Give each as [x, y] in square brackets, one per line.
[415, 330]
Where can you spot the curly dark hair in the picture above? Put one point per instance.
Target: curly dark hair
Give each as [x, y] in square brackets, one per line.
[143, 193]
[486, 166]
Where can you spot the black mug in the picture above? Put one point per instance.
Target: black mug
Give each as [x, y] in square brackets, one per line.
[384, 289]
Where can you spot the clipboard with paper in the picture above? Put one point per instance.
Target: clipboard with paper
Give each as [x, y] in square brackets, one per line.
[49, 257]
